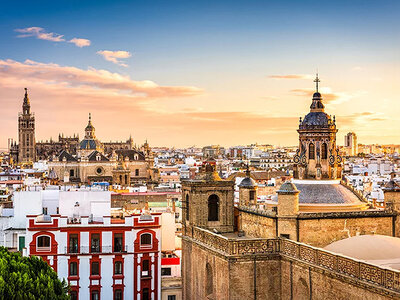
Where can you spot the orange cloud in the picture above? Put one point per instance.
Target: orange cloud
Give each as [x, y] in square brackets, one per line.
[40, 34]
[80, 42]
[115, 56]
[91, 79]
[328, 95]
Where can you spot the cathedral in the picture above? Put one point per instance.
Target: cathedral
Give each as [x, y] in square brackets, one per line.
[277, 251]
[83, 161]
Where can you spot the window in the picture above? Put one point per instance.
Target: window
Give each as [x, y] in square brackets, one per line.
[71, 173]
[118, 242]
[324, 151]
[311, 151]
[145, 294]
[285, 236]
[213, 208]
[171, 297]
[44, 210]
[95, 243]
[43, 242]
[73, 269]
[95, 268]
[252, 195]
[187, 207]
[73, 243]
[145, 267]
[126, 179]
[136, 172]
[117, 295]
[99, 170]
[145, 239]
[118, 268]
[73, 295]
[165, 271]
[94, 295]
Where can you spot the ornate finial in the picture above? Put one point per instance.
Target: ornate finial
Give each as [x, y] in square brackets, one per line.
[300, 120]
[90, 117]
[317, 81]
[334, 119]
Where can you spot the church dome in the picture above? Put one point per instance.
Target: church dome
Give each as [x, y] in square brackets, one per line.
[90, 144]
[317, 118]
[247, 182]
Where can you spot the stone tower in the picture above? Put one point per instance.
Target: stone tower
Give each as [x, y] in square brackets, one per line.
[247, 191]
[26, 132]
[317, 156]
[208, 201]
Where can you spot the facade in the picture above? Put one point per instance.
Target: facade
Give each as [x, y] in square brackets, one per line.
[108, 259]
[26, 132]
[317, 156]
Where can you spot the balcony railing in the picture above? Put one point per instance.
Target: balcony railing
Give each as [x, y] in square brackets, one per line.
[95, 249]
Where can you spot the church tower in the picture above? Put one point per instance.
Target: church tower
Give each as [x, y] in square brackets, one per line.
[317, 156]
[26, 132]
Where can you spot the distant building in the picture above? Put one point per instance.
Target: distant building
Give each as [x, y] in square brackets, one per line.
[350, 143]
[213, 151]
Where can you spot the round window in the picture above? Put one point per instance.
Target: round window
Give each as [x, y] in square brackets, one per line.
[99, 170]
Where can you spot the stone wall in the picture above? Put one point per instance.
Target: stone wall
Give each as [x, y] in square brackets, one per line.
[217, 267]
[324, 231]
[255, 225]
[316, 229]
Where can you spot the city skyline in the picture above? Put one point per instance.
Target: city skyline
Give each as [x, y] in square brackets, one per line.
[196, 74]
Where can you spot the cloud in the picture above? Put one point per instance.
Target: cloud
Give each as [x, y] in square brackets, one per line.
[292, 76]
[40, 34]
[328, 95]
[90, 79]
[80, 42]
[115, 56]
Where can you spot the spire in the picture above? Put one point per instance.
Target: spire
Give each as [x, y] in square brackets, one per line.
[317, 104]
[317, 81]
[26, 106]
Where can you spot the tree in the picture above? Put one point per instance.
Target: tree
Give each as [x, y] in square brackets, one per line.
[28, 278]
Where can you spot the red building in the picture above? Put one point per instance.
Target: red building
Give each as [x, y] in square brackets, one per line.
[112, 259]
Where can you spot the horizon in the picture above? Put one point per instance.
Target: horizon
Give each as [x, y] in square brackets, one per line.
[195, 73]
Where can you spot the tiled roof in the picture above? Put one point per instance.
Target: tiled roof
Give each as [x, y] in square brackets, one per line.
[93, 156]
[334, 193]
[65, 154]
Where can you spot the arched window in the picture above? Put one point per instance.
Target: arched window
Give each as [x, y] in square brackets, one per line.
[213, 208]
[187, 207]
[145, 239]
[324, 151]
[311, 151]
[209, 280]
[43, 242]
[118, 295]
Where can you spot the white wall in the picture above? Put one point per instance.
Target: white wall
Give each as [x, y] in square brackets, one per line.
[97, 203]
[26, 203]
[168, 229]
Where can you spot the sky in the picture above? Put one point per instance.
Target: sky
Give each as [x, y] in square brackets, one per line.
[185, 73]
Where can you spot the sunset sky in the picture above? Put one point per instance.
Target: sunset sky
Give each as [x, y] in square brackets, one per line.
[183, 73]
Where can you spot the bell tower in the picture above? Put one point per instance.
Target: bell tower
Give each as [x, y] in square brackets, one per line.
[208, 201]
[317, 156]
[26, 132]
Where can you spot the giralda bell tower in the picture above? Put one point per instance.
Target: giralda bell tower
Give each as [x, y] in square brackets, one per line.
[26, 132]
